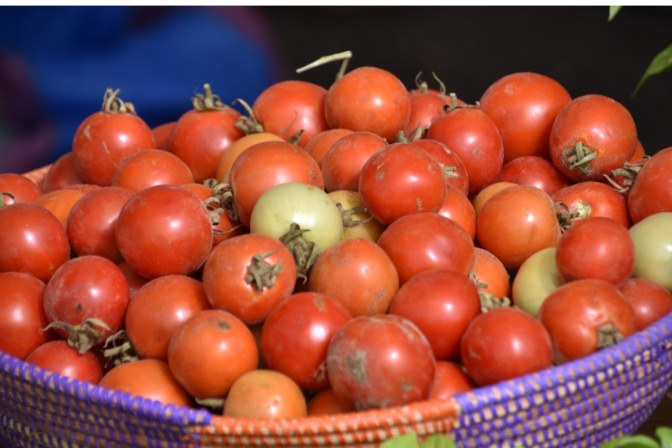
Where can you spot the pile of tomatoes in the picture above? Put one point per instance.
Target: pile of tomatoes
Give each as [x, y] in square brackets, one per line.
[334, 250]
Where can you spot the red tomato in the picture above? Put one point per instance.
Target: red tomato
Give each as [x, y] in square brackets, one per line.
[325, 402]
[453, 167]
[516, 222]
[368, 99]
[424, 241]
[248, 275]
[534, 171]
[135, 280]
[450, 379]
[158, 308]
[524, 105]
[209, 351]
[203, 134]
[424, 108]
[591, 136]
[585, 315]
[459, 208]
[590, 198]
[318, 146]
[649, 300]
[485, 194]
[57, 356]
[106, 137]
[296, 334]
[60, 202]
[596, 247]
[441, 303]
[150, 167]
[380, 361]
[401, 179]
[288, 108]
[62, 173]
[474, 137]
[32, 239]
[504, 334]
[490, 274]
[162, 134]
[650, 192]
[164, 230]
[20, 187]
[22, 315]
[357, 273]
[343, 162]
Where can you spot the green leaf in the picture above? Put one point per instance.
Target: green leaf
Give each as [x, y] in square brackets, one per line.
[660, 63]
[438, 441]
[637, 441]
[408, 440]
[664, 433]
[613, 10]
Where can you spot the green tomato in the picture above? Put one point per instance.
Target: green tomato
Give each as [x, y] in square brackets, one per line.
[536, 278]
[652, 237]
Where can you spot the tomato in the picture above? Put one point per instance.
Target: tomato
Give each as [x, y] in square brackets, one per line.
[536, 278]
[474, 137]
[318, 146]
[424, 241]
[248, 275]
[150, 167]
[147, 378]
[58, 357]
[295, 336]
[22, 316]
[203, 134]
[648, 299]
[33, 240]
[265, 394]
[650, 192]
[534, 171]
[158, 308]
[524, 105]
[453, 168]
[103, 139]
[164, 230]
[490, 274]
[596, 247]
[62, 173]
[357, 221]
[265, 165]
[517, 222]
[450, 379]
[60, 202]
[288, 108]
[652, 237]
[357, 273]
[591, 136]
[343, 162]
[504, 334]
[585, 315]
[401, 179]
[325, 402]
[459, 208]
[590, 198]
[83, 288]
[237, 147]
[161, 134]
[424, 108]
[380, 361]
[486, 193]
[209, 351]
[20, 187]
[135, 280]
[92, 221]
[441, 303]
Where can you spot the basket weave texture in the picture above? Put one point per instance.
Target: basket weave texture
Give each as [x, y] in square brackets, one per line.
[579, 404]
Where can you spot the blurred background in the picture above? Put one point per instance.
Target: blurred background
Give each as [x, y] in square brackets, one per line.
[56, 62]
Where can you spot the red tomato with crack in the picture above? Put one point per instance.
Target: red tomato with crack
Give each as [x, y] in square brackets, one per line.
[59, 357]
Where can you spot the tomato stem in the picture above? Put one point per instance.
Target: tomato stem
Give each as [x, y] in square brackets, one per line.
[304, 252]
[346, 215]
[3, 203]
[344, 56]
[83, 336]
[112, 104]
[262, 273]
[578, 158]
[121, 350]
[250, 124]
[608, 335]
[208, 102]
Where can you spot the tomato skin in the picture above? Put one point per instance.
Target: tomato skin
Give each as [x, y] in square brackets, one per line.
[592, 198]
[653, 248]
[575, 311]
[161, 134]
[401, 179]
[61, 174]
[325, 402]
[596, 247]
[454, 170]
[60, 202]
[490, 274]
[601, 124]
[236, 148]
[318, 146]
[504, 333]
[150, 167]
[486, 193]
[450, 379]
[536, 278]
[459, 208]
[424, 108]
[534, 171]
[57, 356]
[22, 188]
[343, 162]
[368, 99]
[649, 300]
[22, 315]
[357, 223]
[441, 303]
[265, 394]
[650, 192]
[524, 105]
[380, 361]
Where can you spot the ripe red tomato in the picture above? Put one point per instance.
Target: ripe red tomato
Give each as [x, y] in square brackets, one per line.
[296, 334]
[401, 179]
[534, 171]
[380, 361]
[590, 198]
[424, 241]
[516, 222]
[450, 379]
[162, 134]
[203, 134]
[318, 146]
[62, 173]
[20, 187]
[343, 162]
[59, 357]
[650, 192]
[596, 247]
[248, 275]
[106, 137]
[60, 202]
[32, 239]
[164, 230]
[368, 99]
[150, 167]
[649, 300]
[209, 351]
[425, 106]
[441, 303]
[490, 274]
[453, 168]
[504, 334]
[585, 315]
[591, 136]
[22, 315]
[288, 108]
[524, 105]
[459, 208]
[236, 148]
[325, 402]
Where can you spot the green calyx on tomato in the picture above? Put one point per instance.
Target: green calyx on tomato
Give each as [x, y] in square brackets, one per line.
[82, 336]
[208, 101]
[578, 158]
[305, 252]
[262, 273]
